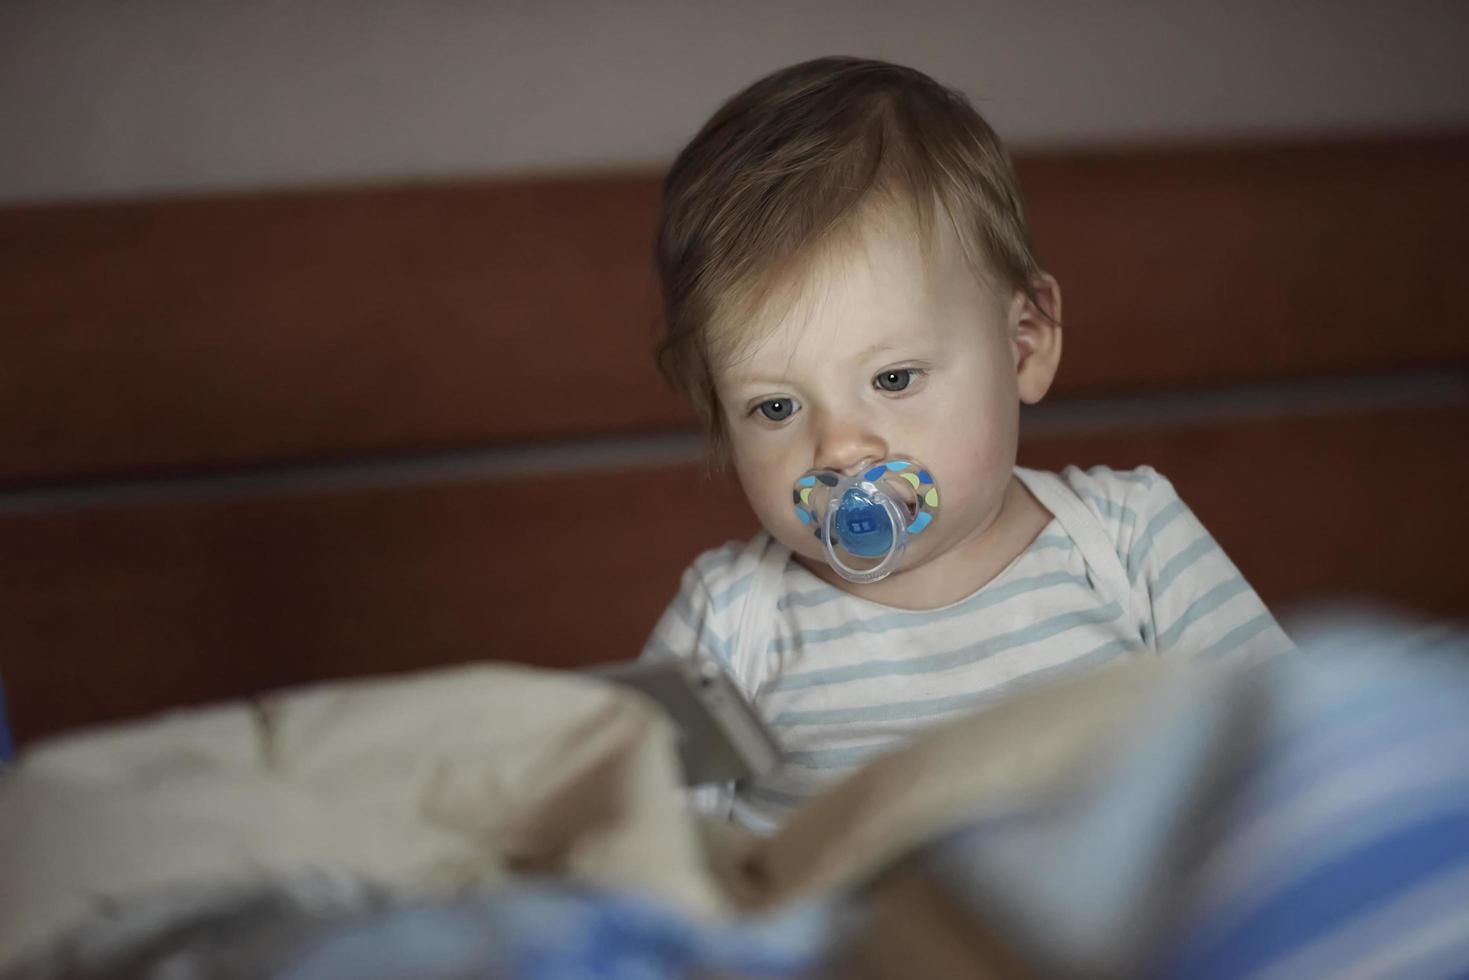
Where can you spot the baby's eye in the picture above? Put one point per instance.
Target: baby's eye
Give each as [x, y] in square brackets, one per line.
[896, 379]
[777, 409]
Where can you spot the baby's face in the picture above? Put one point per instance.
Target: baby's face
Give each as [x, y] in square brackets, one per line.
[889, 352]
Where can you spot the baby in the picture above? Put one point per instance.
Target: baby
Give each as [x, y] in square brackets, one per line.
[854, 308]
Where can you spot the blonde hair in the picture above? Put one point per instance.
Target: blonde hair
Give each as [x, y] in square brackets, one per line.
[792, 160]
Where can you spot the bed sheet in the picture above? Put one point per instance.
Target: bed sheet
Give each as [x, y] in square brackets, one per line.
[1294, 818]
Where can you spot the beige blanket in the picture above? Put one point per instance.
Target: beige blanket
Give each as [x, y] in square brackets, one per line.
[429, 784]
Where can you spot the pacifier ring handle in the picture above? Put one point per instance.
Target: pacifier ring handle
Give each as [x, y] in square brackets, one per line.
[864, 576]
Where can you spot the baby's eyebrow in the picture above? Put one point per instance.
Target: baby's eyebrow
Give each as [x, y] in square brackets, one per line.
[876, 349]
[735, 380]
[741, 381]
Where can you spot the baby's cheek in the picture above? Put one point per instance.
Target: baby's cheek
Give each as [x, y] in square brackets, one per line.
[769, 496]
[986, 449]
[982, 471]
[780, 520]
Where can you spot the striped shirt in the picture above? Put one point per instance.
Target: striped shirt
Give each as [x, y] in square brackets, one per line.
[840, 679]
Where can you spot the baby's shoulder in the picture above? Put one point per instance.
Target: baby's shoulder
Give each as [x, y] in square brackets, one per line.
[1125, 501]
[732, 591]
[721, 569]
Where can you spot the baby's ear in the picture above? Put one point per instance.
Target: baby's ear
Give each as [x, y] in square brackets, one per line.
[1035, 326]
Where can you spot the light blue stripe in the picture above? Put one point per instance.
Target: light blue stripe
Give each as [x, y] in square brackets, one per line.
[683, 608]
[1340, 833]
[713, 563]
[900, 620]
[1128, 476]
[988, 647]
[1200, 608]
[1240, 635]
[703, 635]
[899, 711]
[775, 796]
[1096, 657]
[656, 647]
[1342, 826]
[720, 647]
[722, 599]
[1180, 562]
[1350, 730]
[927, 708]
[1144, 543]
[1112, 508]
[839, 758]
[1340, 699]
[806, 600]
[1328, 900]
[826, 593]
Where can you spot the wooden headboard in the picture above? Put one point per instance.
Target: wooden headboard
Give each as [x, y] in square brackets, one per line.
[261, 440]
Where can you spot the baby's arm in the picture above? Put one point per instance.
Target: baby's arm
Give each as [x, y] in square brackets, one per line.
[1197, 602]
[688, 628]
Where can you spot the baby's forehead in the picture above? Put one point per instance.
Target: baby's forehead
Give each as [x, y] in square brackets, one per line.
[878, 287]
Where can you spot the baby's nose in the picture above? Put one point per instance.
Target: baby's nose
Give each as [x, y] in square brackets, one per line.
[847, 446]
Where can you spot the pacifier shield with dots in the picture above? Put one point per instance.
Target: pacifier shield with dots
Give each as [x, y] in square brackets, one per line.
[864, 521]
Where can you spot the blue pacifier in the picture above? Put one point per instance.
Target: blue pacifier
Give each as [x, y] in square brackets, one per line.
[864, 521]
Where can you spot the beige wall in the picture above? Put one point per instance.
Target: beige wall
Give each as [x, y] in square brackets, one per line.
[123, 98]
